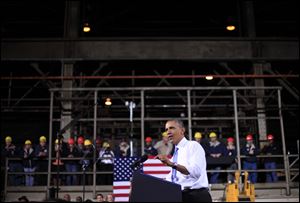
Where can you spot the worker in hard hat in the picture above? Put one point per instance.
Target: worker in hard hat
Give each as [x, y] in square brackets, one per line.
[271, 148]
[250, 162]
[28, 163]
[71, 165]
[106, 157]
[215, 149]
[164, 146]
[149, 149]
[11, 151]
[198, 137]
[41, 152]
[80, 144]
[231, 149]
[87, 161]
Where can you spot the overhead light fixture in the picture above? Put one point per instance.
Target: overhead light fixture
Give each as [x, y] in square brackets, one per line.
[108, 102]
[230, 27]
[86, 27]
[209, 77]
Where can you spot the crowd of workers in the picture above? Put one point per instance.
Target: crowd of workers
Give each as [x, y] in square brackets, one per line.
[75, 155]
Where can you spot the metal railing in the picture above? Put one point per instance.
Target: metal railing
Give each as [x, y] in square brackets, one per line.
[94, 174]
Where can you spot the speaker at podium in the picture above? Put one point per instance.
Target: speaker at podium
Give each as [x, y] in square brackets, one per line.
[146, 188]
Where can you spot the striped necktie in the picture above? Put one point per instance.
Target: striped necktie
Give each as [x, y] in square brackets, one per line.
[174, 178]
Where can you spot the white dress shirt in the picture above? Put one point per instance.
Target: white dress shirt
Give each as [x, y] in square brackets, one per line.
[192, 156]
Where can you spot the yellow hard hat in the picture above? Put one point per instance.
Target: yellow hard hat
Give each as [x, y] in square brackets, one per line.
[164, 134]
[198, 135]
[43, 139]
[87, 142]
[56, 141]
[28, 142]
[105, 145]
[212, 134]
[8, 139]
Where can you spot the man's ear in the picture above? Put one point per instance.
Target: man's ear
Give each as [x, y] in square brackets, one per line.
[183, 131]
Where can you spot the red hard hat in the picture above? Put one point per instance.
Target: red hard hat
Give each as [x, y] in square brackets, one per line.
[249, 137]
[71, 141]
[148, 139]
[80, 140]
[230, 139]
[270, 137]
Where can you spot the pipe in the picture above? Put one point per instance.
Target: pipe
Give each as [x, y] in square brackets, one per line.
[144, 77]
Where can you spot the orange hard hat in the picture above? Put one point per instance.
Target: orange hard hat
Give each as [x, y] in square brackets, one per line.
[80, 140]
[148, 139]
[249, 137]
[230, 139]
[270, 137]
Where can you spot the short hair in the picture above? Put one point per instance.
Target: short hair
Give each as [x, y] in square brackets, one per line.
[179, 122]
[100, 195]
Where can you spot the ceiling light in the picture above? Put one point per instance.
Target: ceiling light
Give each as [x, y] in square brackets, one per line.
[86, 27]
[108, 102]
[209, 77]
[230, 27]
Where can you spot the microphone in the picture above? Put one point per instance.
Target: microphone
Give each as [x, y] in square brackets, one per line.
[139, 162]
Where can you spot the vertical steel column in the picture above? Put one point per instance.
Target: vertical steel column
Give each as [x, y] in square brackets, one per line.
[9, 90]
[94, 138]
[189, 113]
[50, 143]
[286, 165]
[5, 178]
[142, 120]
[237, 136]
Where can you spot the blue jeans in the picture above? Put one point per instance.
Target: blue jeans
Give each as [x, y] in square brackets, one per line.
[71, 179]
[251, 166]
[271, 176]
[214, 176]
[231, 175]
[29, 179]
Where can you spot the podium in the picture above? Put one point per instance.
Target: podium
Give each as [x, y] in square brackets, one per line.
[146, 188]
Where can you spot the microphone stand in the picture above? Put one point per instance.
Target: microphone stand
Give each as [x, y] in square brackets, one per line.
[59, 136]
[85, 164]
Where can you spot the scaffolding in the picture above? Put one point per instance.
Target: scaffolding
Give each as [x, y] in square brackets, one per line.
[185, 94]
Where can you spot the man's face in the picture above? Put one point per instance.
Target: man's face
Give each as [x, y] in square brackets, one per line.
[213, 139]
[109, 198]
[249, 142]
[67, 197]
[27, 146]
[175, 132]
[165, 139]
[99, 198]
[148, 143]
[198, 139]
[78, 199]
[43, 144]
[8, 143]
[230, 143]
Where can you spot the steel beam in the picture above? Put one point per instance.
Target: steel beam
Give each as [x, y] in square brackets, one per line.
[150, 49]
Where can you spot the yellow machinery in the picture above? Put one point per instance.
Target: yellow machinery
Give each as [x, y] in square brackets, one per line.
[233, 193]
